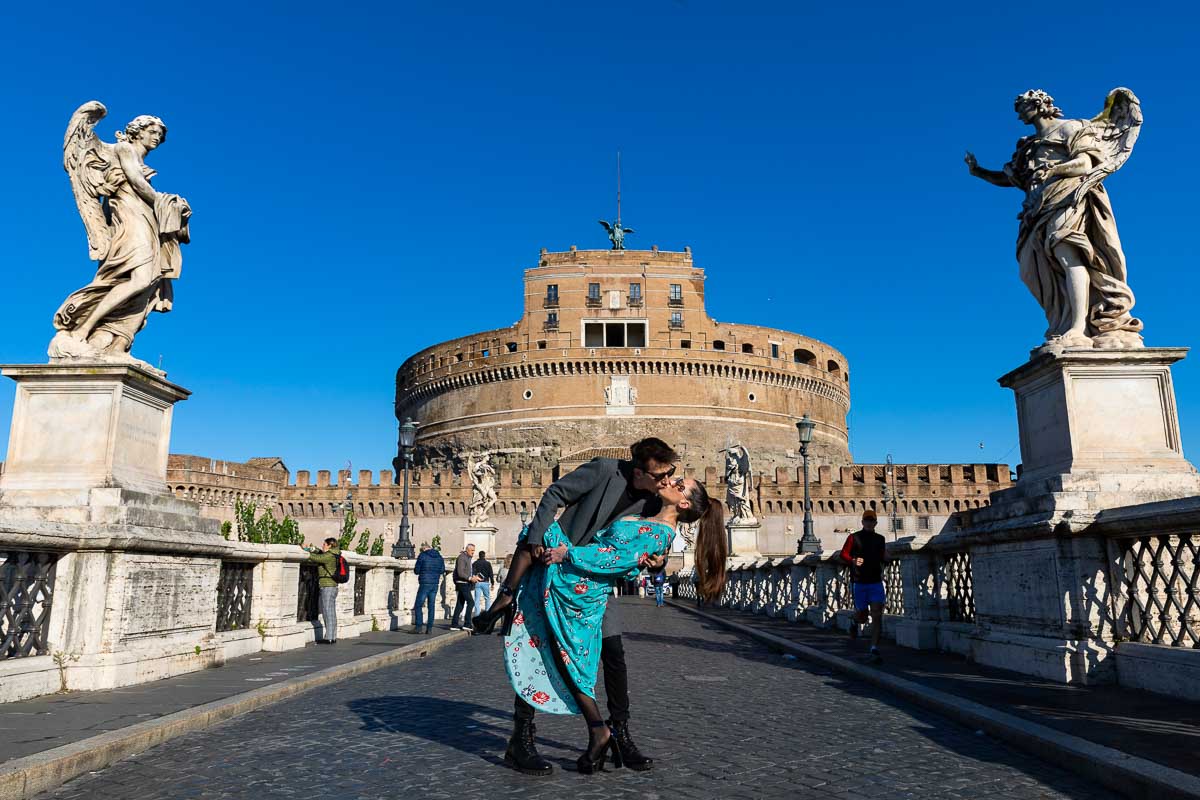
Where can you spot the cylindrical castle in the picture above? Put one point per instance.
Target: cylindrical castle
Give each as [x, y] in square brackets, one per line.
[615, 345]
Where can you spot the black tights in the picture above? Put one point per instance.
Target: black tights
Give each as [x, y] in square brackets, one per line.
[522, 561]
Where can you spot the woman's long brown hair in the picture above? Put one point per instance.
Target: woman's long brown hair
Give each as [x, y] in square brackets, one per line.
[712, 550]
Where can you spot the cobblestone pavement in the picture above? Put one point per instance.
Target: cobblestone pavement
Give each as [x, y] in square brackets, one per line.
[721, 714]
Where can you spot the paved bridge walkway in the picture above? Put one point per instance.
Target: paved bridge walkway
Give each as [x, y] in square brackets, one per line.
[723, 716]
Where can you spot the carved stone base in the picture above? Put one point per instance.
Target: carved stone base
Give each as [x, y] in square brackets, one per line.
[743, 540]
[80, 426]
[1098, 429]
[483, 537]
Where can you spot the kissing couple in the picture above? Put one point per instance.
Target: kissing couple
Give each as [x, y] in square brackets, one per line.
[620, 516]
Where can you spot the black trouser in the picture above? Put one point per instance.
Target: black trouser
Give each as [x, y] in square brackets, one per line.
[466, 596]
[616, 683]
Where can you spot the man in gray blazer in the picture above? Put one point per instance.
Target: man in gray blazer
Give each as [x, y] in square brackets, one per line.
[594, 495]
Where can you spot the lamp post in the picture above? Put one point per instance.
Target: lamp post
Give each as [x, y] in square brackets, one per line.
[809, 543]
[524, 518]
[408, 435]
[890, 495]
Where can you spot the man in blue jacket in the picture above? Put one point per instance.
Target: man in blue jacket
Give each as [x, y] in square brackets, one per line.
[429, 570]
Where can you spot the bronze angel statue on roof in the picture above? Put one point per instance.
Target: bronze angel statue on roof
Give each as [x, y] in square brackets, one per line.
[616, 233]
[1068, 250]
[134, 233]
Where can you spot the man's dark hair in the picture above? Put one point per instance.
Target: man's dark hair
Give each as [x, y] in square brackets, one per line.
[652, 449]
[482, 554]
[331, 540]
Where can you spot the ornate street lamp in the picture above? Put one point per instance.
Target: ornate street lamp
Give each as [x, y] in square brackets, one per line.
[524, 518]
[408, 436]
[809, 543]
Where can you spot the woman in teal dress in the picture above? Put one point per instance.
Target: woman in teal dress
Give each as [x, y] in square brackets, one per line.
[552, 653]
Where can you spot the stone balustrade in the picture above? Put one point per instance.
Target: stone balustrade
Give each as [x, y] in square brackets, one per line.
[1116, 600]
[80, 618]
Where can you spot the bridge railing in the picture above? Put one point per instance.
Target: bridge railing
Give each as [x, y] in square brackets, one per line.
[1115, 600]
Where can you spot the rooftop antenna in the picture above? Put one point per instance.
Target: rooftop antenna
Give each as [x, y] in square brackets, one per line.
[618, 188]
[616, 231]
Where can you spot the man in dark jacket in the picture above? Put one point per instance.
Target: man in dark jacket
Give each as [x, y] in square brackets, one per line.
[429, 569]
[464, 587]
[866, 552]
[594, 495]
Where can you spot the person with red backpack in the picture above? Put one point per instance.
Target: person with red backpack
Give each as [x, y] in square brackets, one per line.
[332, 569]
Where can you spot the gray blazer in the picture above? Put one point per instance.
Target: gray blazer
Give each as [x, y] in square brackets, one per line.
[591, 495]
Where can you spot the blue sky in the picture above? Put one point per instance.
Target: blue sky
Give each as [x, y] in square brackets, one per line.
[369, 179]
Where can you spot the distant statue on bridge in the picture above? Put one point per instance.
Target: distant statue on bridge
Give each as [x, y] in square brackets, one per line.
[1069, 253]
[133, 231]
[739, 486]
[616, 233]
[483, 489]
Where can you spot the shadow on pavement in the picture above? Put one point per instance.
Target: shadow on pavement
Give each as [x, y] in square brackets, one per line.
[939, 730]
[471, 728]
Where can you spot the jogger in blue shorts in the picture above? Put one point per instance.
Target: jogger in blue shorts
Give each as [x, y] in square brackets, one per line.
[865, 552]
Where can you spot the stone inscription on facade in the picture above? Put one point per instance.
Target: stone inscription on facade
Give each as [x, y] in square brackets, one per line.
[168, 595]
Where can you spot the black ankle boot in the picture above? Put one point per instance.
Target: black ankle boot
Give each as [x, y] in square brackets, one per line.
[630, 755]
[485, 621]
[522, 754]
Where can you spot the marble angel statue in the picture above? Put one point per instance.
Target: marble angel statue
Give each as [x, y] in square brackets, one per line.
[133, 231]
[1068, 250]
[739, 486]
[483, 489]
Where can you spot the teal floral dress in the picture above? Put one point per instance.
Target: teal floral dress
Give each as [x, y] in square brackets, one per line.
[560, 609]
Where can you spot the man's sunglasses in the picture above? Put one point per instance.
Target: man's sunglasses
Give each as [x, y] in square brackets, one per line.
[661, 476]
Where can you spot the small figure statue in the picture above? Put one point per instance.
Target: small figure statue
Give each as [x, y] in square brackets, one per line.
[134, 232]
[1069, 253]
[483, 489]
[633, 395]
[739, 486]
[616, 233]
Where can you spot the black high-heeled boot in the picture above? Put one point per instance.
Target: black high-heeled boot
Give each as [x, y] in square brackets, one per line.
[593, 760]
[484, 622]
[630, 755]
[522, 754]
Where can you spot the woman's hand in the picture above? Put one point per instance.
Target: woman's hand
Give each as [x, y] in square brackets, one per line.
[555, 555]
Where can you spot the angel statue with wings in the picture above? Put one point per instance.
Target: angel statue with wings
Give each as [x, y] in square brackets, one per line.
[616, 233]
[1068, 250]
[134, 233]
[483, 489]
[739, 486]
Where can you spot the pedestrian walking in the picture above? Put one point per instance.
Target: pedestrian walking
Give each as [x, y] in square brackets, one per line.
[464, 583]
[866, 551]
[429, 569]
[327, 560]
[659, 579]
[483, 589]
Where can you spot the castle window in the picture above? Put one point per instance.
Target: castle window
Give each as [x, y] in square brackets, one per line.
[802, 356]
[635, 294]
[718, 344]
[593, 295]
[551, 299]
[551, 321]
[541, 344]
[675, 298]
[485, 353]
[676, 319]
[774, 350]
[752, 398]
[686, 344]
[922, 523]
[458, 356]
[512, 347]
[747, 347]
[528, 395]
[833, 367]
[898, 524]
[617, 333]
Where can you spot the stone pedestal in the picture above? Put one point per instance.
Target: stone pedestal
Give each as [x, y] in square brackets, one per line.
[483, 537]
[1098, 429]
[743, 540]
[78, 427]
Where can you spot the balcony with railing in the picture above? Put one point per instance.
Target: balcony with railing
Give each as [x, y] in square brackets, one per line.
[550, 325]
[676, 324]
[550, 301]
[593, 301]
[675, 302]
[635, 301]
